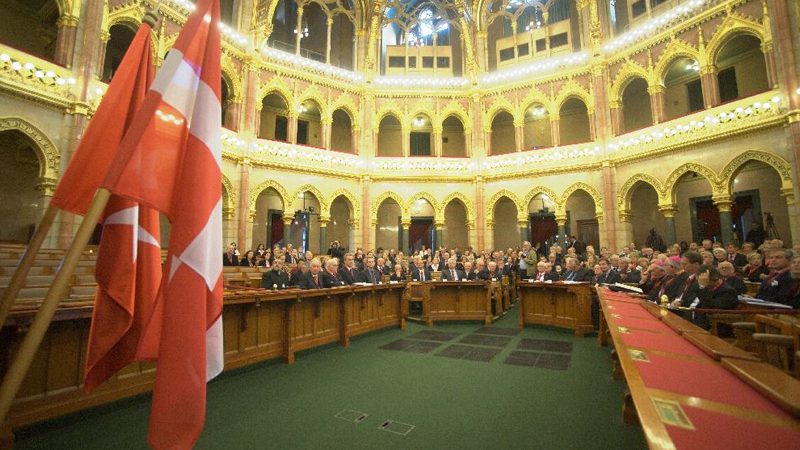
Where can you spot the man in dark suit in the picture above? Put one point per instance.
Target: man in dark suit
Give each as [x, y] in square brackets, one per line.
[738, 260]
[728, 274]
[370, 274]
[544, 273]
[490, 273]
[275, 278]
[626, 274]
[579, 246]
[778, 286]
[452, 273]
[419, 272]
[313, 278]
[606, 276]
[348, 272]
[330, 277]
[575, 272]
[469, 273]
[690, 262]
[299, 273]
[712, 293]
[229, 258]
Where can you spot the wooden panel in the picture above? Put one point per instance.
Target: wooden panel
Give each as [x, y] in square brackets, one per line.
[557, 304]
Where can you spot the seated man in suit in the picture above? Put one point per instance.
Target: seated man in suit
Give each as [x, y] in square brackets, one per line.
[543, 273]
[452, 273]
[728, 273]
[298, 273]
[348, 272]
[468, 271]
[779, 285]
[626, 274]
[575, 272]
[276, 277]
[229, 258]
[606, 275]
[370, 274]
[419, 272]
[739, 260]
[685, 284]
[382, 267]
[313, 278]
[490, 273]
[330, 277]
[657, 278]
[712, 293]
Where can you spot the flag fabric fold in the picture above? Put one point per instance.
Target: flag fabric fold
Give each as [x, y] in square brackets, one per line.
[128, 267]
[170, 160]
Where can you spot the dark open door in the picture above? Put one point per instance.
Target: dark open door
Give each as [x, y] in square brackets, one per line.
[274, 228]
[543, 228]
[420, 232]
[589, 232]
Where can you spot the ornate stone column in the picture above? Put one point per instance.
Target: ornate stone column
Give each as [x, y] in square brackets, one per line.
[561, 221]
[519, 135]
[244, 202]
[354, 140]
[323, 233]
[233, 112]
[668, 211]
[710, 85]
[328, 43]
[101, 53]
[487, 141]
[228, 218]
[438, 234]
[480, 212]
[437, 140]
[488, 239]
[625, 228]
[405, 133]
[369, 227]
[616, 117]
[724, 205]
[291, 127]
[657, 102]
[47, 187]
[592, 125]
[404, 238]
[287, 230]
[326, 133]
[65, 41]
[555, 129]
[298, 30]
[467, 143]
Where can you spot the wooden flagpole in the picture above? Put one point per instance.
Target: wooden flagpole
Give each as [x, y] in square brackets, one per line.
[58, 290]
[24, 267]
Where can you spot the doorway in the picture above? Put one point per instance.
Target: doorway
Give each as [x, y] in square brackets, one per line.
[420, 233]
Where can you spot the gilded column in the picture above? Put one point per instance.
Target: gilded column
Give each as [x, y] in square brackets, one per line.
[625, 228]
[668, 211]
[405, 132]
[519, 135]
[438, 234]
[244, 202]
[607, 228]
[487, 141]
[328, 43]
[724, 205]
[524, 228]
[298, 30]
[369, 226]
[710, 85]
[616, 117]
[287, 231]
[561, 221]
[355, 135]
[323, 233]
[555, 129]
[326, 133]
[65, 41]
[488, 239]
[437, 140]
[291, 127]
[250, 122]
[480, 213]
[657, 102]
[405, 245]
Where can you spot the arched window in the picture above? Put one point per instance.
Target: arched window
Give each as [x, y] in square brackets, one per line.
[741, 68]
[309, 124]
[274, 118]
[574, 122]
[636, 109]
[682, 88]
[453, 139]
[30, 26]
[421, 138]
[121, 37]
[20, 202]
[341, 131]
[537, 128]
[502, 140]
[390, 137]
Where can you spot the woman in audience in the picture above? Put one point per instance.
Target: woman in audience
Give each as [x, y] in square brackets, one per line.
[249, 259]
[708, 258]
[260, 250]
[755, 271]
[267, 259]
[720, 255]
[397, 274]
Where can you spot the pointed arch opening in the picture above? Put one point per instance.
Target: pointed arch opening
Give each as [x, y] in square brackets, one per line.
[21, 203]
[683, 89]
[274, 123]
[454, 140]
[390, 136]
[636, 109]
[537, 131]
[503, 132]
[573, 118]
[741, 68]
[506, 232]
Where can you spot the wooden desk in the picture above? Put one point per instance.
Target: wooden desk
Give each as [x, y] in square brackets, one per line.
[462, 300]
[565, 305]
[257, 325]
[684, 398]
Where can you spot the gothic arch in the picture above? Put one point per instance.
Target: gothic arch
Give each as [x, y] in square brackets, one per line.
[376, 204]
[458, 196]
[233, 82]
[496, 198]
[355, 208]
[781, 166]
[731, 27]
[228, 194]
[276, 86]
[533, 193]
[391, 111]
[454, 109]
[437, 209]
[264, 185]
[675, 49]
[312, 93]
[580, 186]
[707, 173]
[46, 152]
[627, 189]
[533, 97]
[346, 104]
[323, 202]
[572, 89]
[627, 73]
[499, 104]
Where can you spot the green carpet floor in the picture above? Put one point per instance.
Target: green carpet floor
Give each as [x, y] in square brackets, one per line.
[452, 403]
